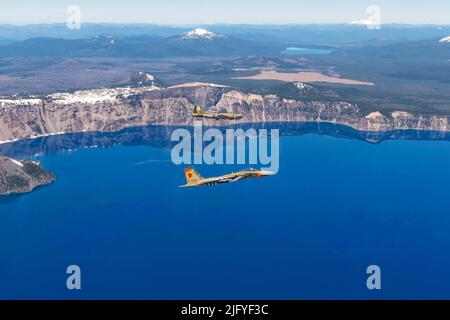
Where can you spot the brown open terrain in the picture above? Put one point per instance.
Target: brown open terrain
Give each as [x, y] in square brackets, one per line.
[309, 76]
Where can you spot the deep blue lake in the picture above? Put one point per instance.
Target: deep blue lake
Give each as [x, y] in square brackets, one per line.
[337, 205]
[295, 51]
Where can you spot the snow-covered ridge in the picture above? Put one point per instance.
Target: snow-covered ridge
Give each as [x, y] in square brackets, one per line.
[27, 102]
[199, 33]
[146, 82]
[197, 84]
[147, 76]
[374, 115]
[98, 95]
[82, 96]
[303, 86]
[445, 40]
[364, 22]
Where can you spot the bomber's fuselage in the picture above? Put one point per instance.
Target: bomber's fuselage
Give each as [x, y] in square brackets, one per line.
[199, 113]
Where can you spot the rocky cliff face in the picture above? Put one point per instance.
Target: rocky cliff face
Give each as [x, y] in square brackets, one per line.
[21, 176]
[115, 109]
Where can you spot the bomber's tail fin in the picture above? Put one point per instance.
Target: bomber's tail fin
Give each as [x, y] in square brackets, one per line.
[198, 110]
[192, 176]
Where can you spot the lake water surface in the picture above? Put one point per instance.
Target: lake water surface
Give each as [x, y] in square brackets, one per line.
[295, 51]
[337, 205]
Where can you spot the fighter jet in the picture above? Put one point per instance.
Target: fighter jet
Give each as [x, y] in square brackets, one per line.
[194, 179]
[199, 113]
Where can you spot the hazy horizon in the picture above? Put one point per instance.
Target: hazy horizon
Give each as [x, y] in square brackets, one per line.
[189, 25]
[203, 12]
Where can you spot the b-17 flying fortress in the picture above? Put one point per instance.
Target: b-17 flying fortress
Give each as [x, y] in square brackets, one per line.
[200, 113]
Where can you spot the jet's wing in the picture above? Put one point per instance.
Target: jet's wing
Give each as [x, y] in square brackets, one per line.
[237, 178]
[230, 179]
[220, 180]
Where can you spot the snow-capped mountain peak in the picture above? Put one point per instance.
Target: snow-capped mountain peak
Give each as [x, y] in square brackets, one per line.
[363, 22]
[199, 33]
[142, 79]
[303, 86]
[445, 40]
[146, 76]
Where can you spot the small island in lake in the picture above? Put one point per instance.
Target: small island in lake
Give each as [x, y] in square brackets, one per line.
[21, 176]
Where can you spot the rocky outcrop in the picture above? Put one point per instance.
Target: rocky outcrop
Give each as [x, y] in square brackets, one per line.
[21, 176]
[115, 109]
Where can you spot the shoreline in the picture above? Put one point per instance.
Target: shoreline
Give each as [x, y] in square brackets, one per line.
[40, 136]
[229, 124]
[173, 107]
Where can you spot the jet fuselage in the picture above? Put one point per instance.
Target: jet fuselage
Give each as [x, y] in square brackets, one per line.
[195, 180]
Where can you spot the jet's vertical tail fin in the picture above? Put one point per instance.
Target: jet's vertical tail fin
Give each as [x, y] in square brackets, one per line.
[198, 110]
[192, 176]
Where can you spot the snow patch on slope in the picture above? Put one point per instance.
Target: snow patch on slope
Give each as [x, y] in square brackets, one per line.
[374, 115]
[16, 162]
[21, 102]
[199, 33]
[98, 95]
[197, 84]
[364, 22]
[303, 86]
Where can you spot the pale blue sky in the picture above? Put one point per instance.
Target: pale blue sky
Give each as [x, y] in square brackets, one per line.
[224, 11]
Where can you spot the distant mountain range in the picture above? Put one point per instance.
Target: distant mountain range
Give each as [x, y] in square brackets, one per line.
[203, 43]
[424, 50]
[198, 42]
[331, 34]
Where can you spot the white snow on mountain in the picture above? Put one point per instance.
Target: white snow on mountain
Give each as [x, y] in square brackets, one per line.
[197, 84]
[303, 86]
[16, 162]
[445, 40]
[142, 78]
[199, 34]
[364, 22]
[86, 96]
[147, 76]
[98, 95]
[26, 102]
